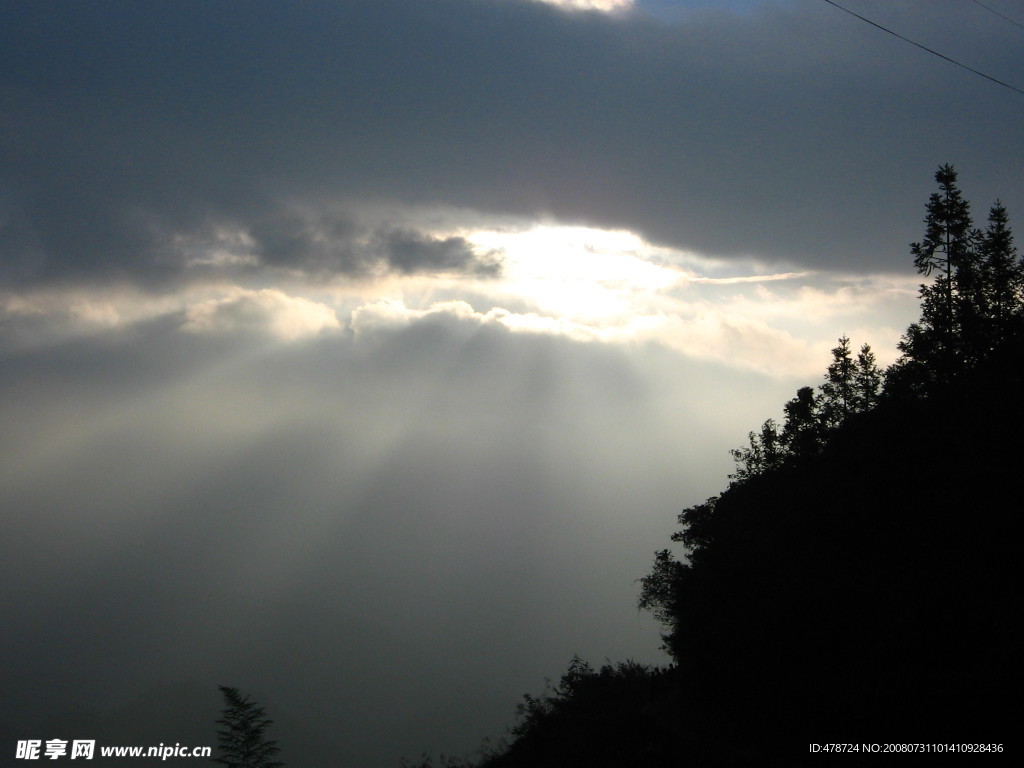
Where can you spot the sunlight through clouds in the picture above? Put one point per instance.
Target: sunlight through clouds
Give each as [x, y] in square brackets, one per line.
[614, 287]
[589, 275]
[582, 283]
[381, 342]
[590, 5]
[270, 311]
[390, 315]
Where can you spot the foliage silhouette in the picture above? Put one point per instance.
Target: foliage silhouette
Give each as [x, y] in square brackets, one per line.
[838, 583]
[973, 305]
[242, 742]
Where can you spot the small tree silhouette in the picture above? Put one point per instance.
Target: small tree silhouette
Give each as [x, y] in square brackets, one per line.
[242, 742]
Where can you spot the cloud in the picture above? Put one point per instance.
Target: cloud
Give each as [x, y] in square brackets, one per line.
[790, 132]
[699, 332]
[783, 327]
[591, 5]
[266, 311]
[409, 252]
[330, 242]
[543, 268]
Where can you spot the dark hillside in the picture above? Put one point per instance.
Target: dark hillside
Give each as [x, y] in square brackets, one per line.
[864, 594]
[867, 592]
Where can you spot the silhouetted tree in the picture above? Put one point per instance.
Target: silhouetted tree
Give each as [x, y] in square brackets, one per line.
[696, 533]
[243, 742]
[947, 250]
[800, 431]
[775, 624]
[1003, 277]
[764, 451]
[619, 715]
[867, 380]
[837, 401]
[973, 303]
[659, 589]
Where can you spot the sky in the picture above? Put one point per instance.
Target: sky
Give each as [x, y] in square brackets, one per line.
[360, 355]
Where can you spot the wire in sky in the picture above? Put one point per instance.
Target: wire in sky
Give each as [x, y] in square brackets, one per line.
[997, 13]
[926, 48]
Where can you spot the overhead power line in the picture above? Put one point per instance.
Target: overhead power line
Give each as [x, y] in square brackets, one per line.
[997, 13]
[926, 48]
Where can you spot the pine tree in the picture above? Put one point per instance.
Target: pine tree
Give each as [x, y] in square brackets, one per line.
[971, 307]
[838, 390]
[1004, 276]
[867, 380]
[949, 302]
[242, 742]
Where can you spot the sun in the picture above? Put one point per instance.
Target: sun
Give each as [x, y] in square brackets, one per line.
[578, 273]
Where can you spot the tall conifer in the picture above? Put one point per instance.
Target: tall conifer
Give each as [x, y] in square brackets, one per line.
[867, 379]
[1004, 276]
[243, 743]
[838, 390]
[947, 302]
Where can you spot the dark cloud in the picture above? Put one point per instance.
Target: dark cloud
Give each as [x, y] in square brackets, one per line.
[790, 131]
[320, 244]
[326, 245]
[408, 251]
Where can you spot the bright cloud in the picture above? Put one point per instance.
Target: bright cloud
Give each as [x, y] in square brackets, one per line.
[582, 283]
[587, 274]
[268, 311]
[615, 287]
[591, 5]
